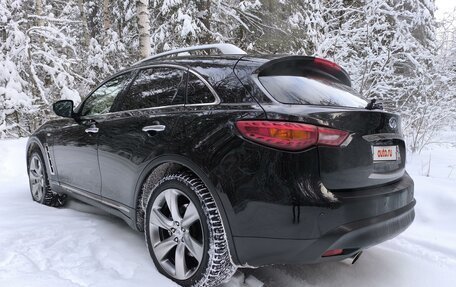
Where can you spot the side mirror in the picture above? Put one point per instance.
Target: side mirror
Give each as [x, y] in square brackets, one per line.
[63, 108]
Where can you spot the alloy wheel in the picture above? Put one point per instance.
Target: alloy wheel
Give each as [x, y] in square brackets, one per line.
[176, 234]
[36, 178]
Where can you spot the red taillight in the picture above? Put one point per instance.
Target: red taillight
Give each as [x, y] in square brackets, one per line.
[282, 135]
[333, 252]
[290, 136]
[331, 137]
[327, 65]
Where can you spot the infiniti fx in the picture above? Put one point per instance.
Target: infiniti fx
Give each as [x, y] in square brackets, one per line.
[230, 160]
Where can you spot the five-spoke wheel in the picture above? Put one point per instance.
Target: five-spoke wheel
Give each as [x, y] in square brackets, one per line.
[184, 232]
[37, 178]
[176, 233]
[39, 185]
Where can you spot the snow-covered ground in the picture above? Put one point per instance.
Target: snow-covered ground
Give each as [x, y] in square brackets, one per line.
[81, 246]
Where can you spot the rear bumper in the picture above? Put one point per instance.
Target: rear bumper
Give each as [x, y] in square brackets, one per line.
[351, 237]
[358, 223]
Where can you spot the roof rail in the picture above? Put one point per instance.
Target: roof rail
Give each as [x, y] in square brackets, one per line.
[225, 49]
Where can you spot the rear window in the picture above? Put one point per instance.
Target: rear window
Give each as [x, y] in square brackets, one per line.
[155, 87]
[311, 91]
[197, 91]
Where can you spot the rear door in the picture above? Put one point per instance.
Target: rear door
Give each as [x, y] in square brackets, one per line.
[75, 145]
[146, 124]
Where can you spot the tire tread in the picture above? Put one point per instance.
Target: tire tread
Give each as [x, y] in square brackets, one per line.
[220, 267]
[51, 198]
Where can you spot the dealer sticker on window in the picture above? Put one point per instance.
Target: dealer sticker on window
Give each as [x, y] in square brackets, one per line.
[386, 152]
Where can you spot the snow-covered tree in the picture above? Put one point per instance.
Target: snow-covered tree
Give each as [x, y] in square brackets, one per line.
[15, 104]
[389, 49]
[437, 110]
[181, 23]
[53, 49]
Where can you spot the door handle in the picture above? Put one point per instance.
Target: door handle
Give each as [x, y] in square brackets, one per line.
[156, 128]
[91, 130]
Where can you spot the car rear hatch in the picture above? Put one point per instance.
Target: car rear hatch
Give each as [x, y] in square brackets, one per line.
[316, 91]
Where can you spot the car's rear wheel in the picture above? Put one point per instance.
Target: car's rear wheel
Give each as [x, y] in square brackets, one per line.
[39, 184]
[184, 232]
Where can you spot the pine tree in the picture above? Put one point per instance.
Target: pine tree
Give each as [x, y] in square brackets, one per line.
[15, 103]
[182, 23]
[52, 49]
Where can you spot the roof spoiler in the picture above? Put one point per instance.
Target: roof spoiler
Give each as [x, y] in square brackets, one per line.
[304, 65]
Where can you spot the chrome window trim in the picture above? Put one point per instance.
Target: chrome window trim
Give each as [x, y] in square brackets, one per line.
[81, 105]
[208, 85]
[94, 117]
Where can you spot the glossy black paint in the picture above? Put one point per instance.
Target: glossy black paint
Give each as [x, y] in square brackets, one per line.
[124, 149]
[63, 108]
[76, 150]
[276, 206]
[350, 166]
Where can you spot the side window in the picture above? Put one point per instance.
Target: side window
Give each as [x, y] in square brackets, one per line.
[197, 91]
[101, 100]
[155, 87]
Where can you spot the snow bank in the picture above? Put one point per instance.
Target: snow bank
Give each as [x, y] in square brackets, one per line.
[74, 246]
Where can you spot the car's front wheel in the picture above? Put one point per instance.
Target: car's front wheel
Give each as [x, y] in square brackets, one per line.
[39, 184]
[184, 233]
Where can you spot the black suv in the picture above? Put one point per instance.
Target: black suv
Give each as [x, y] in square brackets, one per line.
[230, 160]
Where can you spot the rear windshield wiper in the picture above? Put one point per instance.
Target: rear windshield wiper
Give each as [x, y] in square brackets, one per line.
[373, 105]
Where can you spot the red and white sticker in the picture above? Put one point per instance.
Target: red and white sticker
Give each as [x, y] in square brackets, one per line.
[385, 152]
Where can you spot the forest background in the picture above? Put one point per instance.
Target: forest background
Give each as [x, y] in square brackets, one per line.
[395, 51]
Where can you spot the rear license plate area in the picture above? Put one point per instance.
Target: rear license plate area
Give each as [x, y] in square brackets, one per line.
[385, 153]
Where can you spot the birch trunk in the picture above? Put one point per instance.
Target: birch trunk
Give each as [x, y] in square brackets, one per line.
[204, 8]
[142, 8]
[106, 15]
[39, 12]
[85, 33]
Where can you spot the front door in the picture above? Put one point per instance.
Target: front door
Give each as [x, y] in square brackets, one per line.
[75, 153]
[76, 143]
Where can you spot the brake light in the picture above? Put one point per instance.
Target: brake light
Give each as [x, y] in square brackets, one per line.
[327, 65]
[290, 136]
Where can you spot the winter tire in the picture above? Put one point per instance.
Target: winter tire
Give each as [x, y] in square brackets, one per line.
[184, 233]
[39, 184]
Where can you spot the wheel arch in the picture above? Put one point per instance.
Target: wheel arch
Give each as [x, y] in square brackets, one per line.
[35, 144]
[168, 164]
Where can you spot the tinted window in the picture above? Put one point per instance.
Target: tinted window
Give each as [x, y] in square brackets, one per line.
[155, 87]
[197, 91]
[101, 100]
[311, 91]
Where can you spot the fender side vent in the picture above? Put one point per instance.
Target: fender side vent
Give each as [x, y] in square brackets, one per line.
[51, 166]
